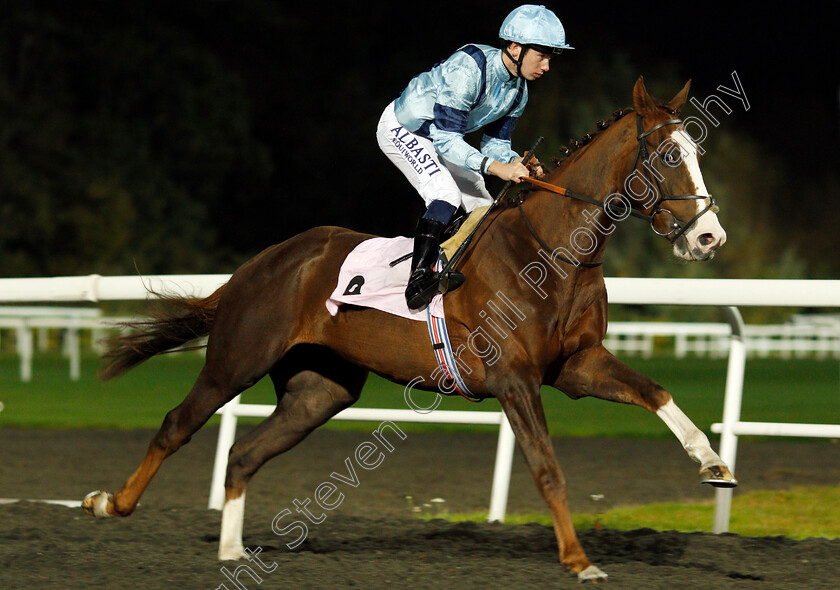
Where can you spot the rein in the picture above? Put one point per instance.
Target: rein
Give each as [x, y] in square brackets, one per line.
[540, 241]
[676, 229]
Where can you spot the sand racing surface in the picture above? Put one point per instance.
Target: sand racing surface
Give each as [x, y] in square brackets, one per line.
[373, 539]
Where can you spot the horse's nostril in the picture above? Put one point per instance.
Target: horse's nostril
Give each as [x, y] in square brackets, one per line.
[706, 239]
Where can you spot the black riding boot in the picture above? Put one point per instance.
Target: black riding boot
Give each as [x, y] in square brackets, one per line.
[423, 281]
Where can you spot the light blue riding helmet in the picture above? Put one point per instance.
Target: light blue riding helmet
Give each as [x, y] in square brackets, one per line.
[534, 25]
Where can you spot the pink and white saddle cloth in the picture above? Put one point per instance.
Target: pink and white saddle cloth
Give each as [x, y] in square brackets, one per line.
[367, 279]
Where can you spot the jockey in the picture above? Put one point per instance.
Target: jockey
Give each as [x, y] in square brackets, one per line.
[422, 131]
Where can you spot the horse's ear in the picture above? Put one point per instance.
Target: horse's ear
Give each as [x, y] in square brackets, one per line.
[642, 101]
[679, 99]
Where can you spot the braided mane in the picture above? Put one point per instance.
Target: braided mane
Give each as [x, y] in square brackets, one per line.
[576, 144]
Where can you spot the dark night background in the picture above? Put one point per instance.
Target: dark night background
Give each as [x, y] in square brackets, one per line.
[185, 136]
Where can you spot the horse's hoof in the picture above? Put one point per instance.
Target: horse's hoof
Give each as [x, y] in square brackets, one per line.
[232, 553]
[96, 504]
[592, 574]
[718, 476]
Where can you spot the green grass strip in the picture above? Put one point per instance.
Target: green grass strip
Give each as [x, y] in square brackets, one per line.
[797, 513]
[797, 390]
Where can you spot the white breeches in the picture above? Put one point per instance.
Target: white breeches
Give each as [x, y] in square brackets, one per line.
[432, 176]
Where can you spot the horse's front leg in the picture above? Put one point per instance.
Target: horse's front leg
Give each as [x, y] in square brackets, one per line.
[522, 405]
[597, 373]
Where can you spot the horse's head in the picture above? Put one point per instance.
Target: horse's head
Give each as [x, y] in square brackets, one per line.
[667, 162]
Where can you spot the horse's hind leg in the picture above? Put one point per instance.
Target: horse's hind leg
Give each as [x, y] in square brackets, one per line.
[212, 390]
[313, 385]
[597, 373]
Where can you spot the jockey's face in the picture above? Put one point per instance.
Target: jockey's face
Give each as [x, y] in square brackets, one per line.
[534, 63]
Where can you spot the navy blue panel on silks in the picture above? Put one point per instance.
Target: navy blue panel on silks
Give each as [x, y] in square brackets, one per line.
[450, 119]
[481, 61]
[455, 120]
[503, 128]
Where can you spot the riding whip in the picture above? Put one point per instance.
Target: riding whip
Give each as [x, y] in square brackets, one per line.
[465, 244]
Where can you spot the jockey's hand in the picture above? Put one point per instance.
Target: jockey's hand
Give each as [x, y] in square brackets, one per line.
[513, 171]
[535, 167]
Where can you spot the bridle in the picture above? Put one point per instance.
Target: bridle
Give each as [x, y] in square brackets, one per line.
[676, 228]
[619, 210]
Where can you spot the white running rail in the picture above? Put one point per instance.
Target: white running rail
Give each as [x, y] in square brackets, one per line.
[726, 293]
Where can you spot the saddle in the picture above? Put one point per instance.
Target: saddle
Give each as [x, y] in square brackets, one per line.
[457, 231]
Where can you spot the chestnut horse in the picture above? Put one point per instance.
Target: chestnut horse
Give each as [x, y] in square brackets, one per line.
[270, 318]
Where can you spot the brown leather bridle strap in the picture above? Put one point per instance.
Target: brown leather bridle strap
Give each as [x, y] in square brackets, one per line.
[560, 191]
[546, 185]
[577, 196]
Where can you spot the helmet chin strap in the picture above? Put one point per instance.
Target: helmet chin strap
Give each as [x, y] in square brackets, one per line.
[516, 62]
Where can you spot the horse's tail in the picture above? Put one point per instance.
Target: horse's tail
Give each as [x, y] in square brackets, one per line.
[179, 321]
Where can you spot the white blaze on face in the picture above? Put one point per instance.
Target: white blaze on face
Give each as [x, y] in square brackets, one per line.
[706, 235]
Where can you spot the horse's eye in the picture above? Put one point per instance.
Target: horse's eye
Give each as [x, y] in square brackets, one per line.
[672, 158]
